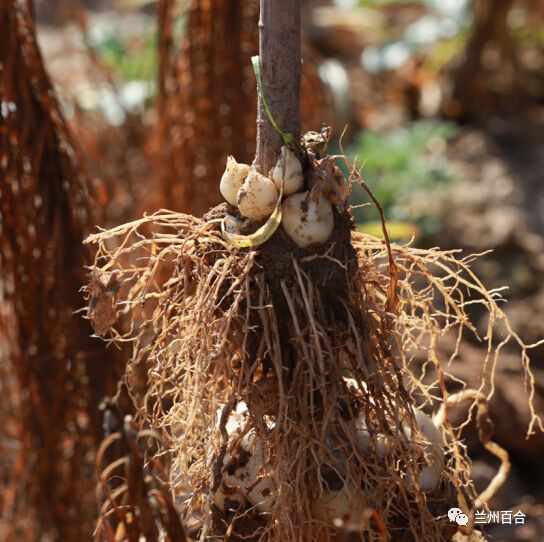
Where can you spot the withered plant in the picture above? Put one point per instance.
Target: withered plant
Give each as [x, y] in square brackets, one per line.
[55, 374]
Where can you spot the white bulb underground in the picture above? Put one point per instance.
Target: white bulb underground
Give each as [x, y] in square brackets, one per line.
[288, 170]
[251, 481]
[232, 180]
[307, 219]
[257, 197]
[430, 472]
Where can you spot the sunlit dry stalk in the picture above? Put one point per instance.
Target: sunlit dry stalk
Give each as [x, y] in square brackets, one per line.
[57, 373]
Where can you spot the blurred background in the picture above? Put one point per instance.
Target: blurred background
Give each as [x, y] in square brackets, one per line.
[441, 100]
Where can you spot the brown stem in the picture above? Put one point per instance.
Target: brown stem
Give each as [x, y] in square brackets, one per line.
[166, 39]
[490, 23]
[281, 65]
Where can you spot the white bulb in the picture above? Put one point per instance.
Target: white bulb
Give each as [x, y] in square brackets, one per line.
[258, 196]
[289, 170]
[363, 438]
[307, 220]
[232, 180]
[430, 469]
[252, 480]
[429, 473]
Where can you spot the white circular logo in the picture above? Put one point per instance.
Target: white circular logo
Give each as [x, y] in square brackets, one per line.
[452, 513]
[462, 519]
[456, 515]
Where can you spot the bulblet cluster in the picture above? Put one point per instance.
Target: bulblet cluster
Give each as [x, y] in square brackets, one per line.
[308, 195]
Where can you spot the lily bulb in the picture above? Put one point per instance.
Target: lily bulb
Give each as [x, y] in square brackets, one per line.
[289, 170]
[430, 472]
[248, 477]
[431, 466]
[307, 218]
[257, 197]
[232, 180]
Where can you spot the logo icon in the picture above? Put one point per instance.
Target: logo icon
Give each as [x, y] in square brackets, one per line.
[456, 515]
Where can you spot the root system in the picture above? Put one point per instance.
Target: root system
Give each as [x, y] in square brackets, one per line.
[297, 366]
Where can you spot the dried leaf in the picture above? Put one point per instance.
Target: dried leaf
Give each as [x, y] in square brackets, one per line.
[102, 304]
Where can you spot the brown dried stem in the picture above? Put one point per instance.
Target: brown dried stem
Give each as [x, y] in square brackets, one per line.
[281, 66]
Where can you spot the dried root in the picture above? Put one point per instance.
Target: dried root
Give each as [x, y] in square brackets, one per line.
[131, 489]
[283, 383]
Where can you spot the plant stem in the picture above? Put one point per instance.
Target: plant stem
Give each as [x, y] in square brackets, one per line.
[281, 66]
